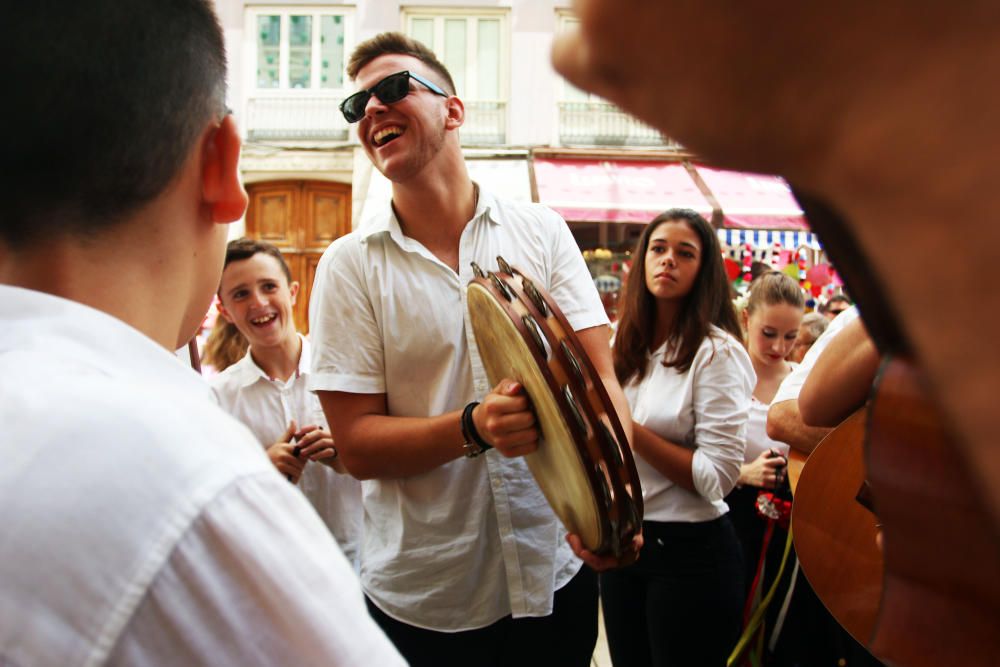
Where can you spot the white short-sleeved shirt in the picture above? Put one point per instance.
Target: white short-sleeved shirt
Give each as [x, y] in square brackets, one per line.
[267, 406]
[704, 409]
[465, 544]
[141, 525]
[791, 386]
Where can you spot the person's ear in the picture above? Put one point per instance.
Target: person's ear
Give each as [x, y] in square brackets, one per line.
[225, 313]
[745, 318]
[294, 289]
[456, 113]
[221, 187]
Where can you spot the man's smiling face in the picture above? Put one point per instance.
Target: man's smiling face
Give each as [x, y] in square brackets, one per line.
[401, 138]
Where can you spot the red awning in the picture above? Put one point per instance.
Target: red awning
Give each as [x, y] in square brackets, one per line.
[615, 190]
[638, 190]
[753, 201]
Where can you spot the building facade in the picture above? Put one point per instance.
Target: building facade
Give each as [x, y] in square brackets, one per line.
[528, 134]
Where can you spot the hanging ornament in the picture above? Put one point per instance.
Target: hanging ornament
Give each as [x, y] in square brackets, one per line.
[775, 255]
[747, 262]
[803, 256]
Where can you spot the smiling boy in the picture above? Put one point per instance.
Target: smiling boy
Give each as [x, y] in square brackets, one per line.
[266, 389]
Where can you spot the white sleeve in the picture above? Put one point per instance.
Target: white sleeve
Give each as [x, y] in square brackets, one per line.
[256, 580]
[347, 349]
[791, 386]
[722, 389]
[571, 286]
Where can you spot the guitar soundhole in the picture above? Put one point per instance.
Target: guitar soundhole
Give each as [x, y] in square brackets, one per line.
[501, 286]
[574, 409]
[536, 335]
[536, 298]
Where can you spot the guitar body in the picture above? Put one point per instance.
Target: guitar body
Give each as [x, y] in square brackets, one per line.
[834, 535]
[941, 598]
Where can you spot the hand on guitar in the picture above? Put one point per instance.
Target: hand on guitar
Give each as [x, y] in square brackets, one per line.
[282, 455]
[506, 421]
[767, 471]
[602, 563]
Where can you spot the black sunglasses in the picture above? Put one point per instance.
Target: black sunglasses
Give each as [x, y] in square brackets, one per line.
[389, 90]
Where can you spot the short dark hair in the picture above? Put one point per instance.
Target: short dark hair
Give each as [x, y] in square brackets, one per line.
[397, 43]
[244, 248]
[708, 303]
[838, 298]
[110, 96]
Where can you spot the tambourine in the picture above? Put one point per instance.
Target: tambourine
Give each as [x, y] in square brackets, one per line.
[583, 463]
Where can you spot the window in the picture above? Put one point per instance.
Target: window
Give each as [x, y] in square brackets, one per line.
[300, 49]
[473, 47]
[297, 77]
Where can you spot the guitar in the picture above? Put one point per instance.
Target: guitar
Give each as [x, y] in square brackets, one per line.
[834, 534]
[941, 592]
[931, 597]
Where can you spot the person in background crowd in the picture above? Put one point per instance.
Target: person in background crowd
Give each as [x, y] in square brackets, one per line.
[688, 379]
[141, 524]
[464, 562]
[812, 327]
[834, 306]
[771, 321]
[266, 389]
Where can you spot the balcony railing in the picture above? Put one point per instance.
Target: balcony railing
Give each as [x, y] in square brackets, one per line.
[300, 117]
[485, 123]
[295, 117]
[604, 124]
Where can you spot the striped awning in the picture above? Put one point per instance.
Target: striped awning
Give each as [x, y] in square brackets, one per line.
[766, 238]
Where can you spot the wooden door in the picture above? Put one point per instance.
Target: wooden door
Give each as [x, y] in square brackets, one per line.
[301, 218]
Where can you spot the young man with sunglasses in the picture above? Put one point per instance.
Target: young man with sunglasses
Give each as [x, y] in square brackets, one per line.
[141, 525]
[463, 562]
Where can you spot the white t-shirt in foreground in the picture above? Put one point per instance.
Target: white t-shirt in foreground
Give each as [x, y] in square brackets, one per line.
[144, 526]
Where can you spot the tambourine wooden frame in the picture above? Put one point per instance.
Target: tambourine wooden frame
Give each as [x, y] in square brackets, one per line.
[585, 415]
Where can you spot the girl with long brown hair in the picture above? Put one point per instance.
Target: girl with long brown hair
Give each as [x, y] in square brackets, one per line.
[688, 379]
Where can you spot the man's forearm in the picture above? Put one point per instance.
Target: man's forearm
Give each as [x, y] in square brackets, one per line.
[784, 424]
[379, 446]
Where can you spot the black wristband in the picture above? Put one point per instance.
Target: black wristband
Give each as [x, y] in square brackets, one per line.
[469, 428]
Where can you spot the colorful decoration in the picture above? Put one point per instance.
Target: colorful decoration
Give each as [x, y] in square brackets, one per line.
[775, 256]
[819, 275]
[732, 268]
